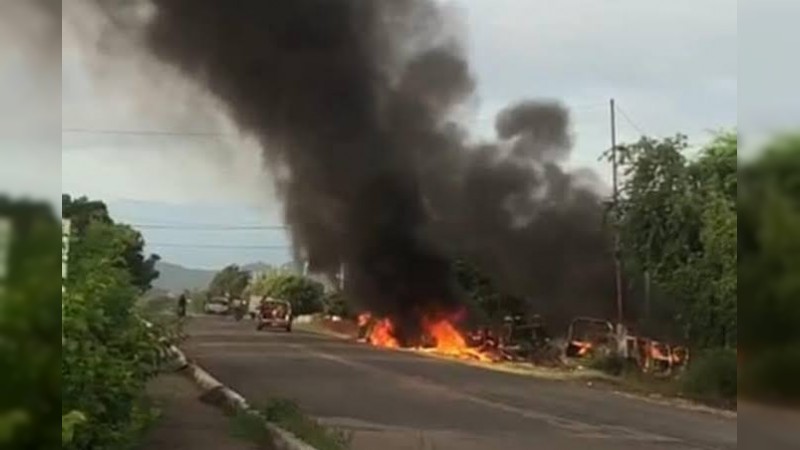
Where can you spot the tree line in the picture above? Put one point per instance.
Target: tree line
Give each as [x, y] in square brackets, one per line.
[108, 351]
[306, 295]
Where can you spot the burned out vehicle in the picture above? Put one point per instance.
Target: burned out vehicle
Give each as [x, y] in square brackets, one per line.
[274, 313]
[590, 337]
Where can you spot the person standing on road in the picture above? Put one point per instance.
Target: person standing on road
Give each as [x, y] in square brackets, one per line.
[182, 301]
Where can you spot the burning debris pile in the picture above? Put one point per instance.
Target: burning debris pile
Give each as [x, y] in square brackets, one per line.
[355, 105]
[514, 342]
[439, 335]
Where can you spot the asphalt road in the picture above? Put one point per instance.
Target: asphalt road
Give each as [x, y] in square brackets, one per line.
[396, 400]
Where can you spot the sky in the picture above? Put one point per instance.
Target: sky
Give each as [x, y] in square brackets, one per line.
[672, 66]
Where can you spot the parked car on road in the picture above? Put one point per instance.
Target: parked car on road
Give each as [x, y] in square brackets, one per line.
[274, 314]
[217, 305]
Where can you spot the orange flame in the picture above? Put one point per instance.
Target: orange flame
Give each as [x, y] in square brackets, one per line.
[584, 348]
[382, 334]
[447, 340]
[442, 334]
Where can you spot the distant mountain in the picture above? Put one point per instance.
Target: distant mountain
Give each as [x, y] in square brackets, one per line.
[176, 278]
[258, 267]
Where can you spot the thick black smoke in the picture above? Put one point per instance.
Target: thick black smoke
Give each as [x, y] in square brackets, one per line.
[352, 101]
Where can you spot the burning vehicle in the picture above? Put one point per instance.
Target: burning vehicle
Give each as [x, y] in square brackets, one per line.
[589, 337]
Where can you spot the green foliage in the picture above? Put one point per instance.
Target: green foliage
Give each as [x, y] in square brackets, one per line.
[10, 422]
[30, 385]
[230, 281]
[677, 219]
[769, 272]
[306, 295]
[773, 375]
[337, 305]
[69, 422]
[83, 213]
[712, 376]
[769, 248]
[247, 425]
[108, 353]
[288, 415]
[487, 302]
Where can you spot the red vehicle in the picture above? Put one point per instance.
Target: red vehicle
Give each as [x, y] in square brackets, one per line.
[274, 314]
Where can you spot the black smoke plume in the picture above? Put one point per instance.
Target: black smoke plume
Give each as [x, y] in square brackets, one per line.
[353, 102]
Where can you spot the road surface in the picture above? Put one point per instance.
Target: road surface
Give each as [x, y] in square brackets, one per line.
[397, 400]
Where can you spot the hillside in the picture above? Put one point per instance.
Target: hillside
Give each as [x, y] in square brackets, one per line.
[176, 278]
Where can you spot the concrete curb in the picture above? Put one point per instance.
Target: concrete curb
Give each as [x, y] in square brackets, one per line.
[284, 440]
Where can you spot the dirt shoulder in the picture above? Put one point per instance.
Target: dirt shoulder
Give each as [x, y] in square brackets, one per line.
[186, 422]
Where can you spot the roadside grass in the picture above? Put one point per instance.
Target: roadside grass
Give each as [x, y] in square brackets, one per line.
[289, 416]
[709, 381]
[251, 427]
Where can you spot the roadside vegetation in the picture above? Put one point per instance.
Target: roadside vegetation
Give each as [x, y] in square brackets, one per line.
[677, 219]
[30, 386]
[108, 352]
[251, 427]
[287, 415]
[701, 236]
[306, 295]
[769, 273]
[230, 281]
[713, 236]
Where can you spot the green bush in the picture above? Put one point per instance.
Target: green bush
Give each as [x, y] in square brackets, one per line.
[289, 416]
[712, 376]
[30, 385]
[108, 353]
[773, 375]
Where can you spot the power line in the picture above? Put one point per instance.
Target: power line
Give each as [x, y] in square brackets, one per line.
[219, 246]
[160, 133]
[208, 227]
[630, 121]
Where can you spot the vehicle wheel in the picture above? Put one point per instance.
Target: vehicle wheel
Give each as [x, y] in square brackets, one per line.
[260, 327]
[288, 328]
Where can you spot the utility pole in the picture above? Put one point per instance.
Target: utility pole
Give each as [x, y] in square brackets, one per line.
[66, 233]
[615, 203]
